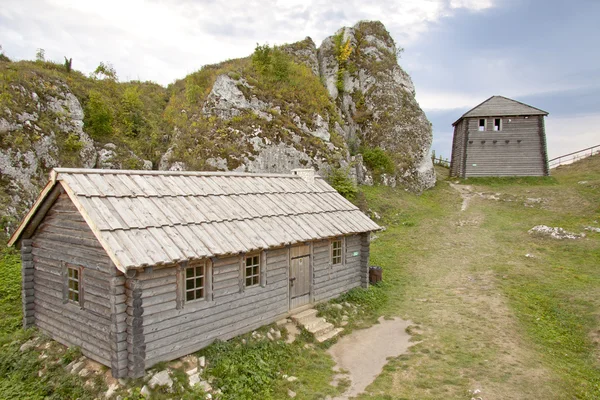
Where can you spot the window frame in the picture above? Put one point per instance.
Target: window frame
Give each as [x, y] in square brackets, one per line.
[67, 278]
[194, 266]
[332, 257]
[484, 124]
[72, 292]
[255, 277]
[499, 124]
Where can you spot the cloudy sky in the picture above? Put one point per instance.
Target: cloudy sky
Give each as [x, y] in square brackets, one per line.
[459, 52]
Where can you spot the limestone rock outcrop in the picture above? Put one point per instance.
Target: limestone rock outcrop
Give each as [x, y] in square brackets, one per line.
[377, 100]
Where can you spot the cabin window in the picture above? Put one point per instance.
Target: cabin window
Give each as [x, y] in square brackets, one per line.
[482, 125]
[336, 252]
[497, 124]
[195, 282]
[73, 285]
[252, 270]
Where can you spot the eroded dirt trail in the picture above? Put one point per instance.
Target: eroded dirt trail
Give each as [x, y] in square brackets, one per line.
[472, 343]
[364, 352]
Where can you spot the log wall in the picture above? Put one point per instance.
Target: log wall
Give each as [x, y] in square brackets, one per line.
[230, 308]
[96, 324]
[329, 280]
[517, 150]
[458, 149]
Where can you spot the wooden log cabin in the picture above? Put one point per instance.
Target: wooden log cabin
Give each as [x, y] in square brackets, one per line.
[138, 267]
[500, 137]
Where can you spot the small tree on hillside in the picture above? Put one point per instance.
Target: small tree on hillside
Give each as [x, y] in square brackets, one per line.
[3, 56]
[68, 64]
[40, 55]
[105, 71]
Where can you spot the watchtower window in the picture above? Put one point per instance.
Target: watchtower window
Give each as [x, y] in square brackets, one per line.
[482, 125]
[497, 124]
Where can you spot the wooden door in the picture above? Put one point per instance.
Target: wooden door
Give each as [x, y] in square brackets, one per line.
[300, 276]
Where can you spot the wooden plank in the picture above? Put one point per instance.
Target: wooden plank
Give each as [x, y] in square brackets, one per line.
[212, 321]
[199, 345]
[202, 309]
[172, 343]
[86, 348]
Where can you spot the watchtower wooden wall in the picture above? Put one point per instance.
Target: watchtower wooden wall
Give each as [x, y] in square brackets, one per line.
[518, 149]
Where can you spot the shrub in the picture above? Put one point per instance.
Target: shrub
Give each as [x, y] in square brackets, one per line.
[73, 144]
[339, 179]
[261, 59]
[98, 116]
[378, 160]
[271, 62]
[132, 110]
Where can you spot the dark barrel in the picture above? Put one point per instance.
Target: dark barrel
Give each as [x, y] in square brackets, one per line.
[375, 274]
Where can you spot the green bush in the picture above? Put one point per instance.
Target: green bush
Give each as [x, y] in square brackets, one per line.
[271, 62]
[378, 160]
[98, 116]
[339, 179]
[73, 144]
[132, 110]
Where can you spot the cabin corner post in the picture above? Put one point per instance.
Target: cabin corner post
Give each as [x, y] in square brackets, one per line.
[136, 345]
[27, 283]
[118, 326]
[544, 145]
[364, 259]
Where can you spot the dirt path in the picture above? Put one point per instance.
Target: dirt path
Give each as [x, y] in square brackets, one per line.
[472, 343]
[365, 352]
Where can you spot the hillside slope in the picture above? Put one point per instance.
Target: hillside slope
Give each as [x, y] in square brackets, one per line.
[347, 105]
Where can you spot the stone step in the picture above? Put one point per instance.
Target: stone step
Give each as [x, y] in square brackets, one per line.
[319, 327]
[304, 316]
[329, 335]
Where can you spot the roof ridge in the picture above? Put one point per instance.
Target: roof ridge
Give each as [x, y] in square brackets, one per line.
[466, 114]
[233, 219]
[173, 173]
[89, 196]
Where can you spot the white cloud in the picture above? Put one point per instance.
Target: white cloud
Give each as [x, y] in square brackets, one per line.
[439, 100]
[472, 4]
[163, 40]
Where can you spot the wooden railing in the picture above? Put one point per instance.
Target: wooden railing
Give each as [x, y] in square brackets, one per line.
[440, 161]
[575, 156]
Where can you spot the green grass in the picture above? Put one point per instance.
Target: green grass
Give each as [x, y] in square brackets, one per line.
[493, 319]
[247, 368]
[509, 181]
[10, 292]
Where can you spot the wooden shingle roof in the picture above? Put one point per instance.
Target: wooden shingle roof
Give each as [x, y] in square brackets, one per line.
[500, 106]
[145, 218]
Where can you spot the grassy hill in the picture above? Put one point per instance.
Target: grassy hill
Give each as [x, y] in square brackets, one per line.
[496, 310]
